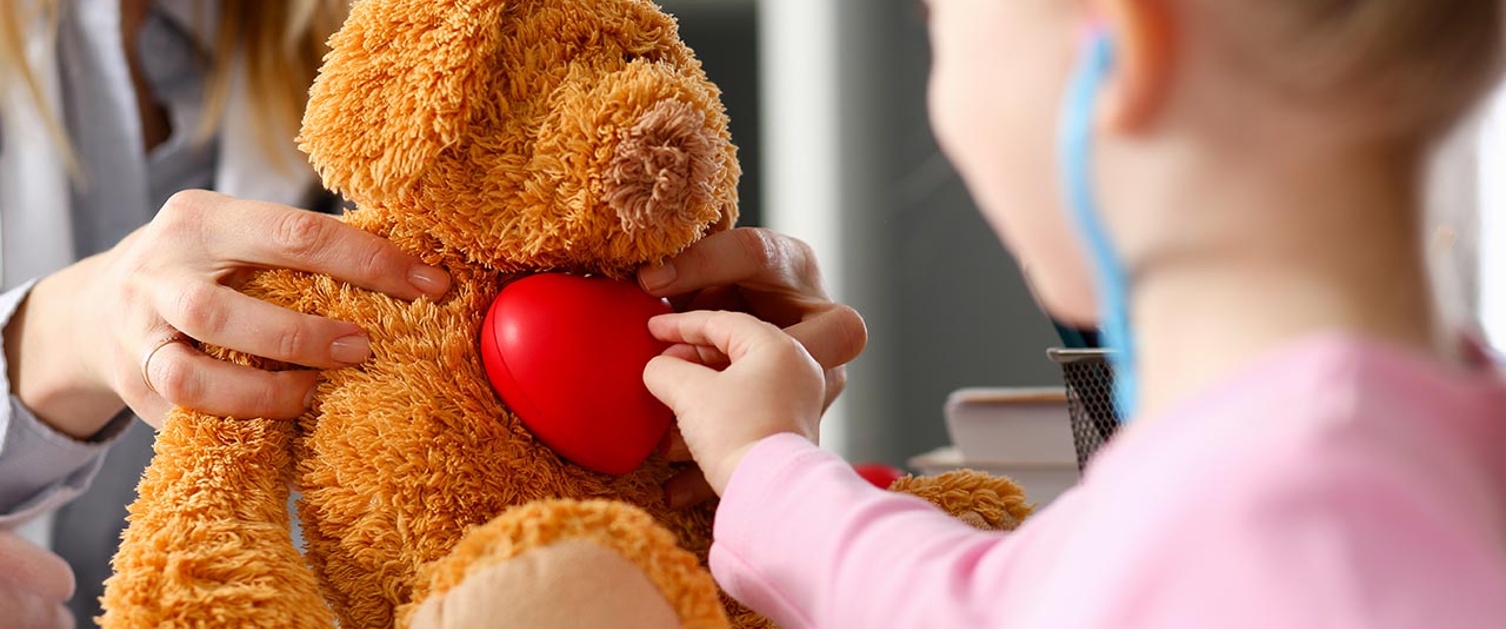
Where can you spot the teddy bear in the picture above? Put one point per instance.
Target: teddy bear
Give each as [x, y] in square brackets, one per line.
[497, 139]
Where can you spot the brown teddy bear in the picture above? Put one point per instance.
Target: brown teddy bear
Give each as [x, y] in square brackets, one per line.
[495, 139]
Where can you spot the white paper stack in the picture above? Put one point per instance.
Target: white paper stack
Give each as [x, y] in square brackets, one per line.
[1021, 433]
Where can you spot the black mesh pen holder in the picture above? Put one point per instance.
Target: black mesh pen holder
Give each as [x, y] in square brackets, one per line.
[1090, 398]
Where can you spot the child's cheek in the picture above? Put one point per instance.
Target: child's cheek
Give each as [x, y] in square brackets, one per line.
[1063, 286]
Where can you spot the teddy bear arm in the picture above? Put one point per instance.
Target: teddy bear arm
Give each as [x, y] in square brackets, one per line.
[209, 535]
[984, 501]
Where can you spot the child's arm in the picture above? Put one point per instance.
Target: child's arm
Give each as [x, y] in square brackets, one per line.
[1265, 508]
[829, 549]
[1308, 538]
[833, 550]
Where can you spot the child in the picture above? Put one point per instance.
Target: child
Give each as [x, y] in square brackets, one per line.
[1308, 449]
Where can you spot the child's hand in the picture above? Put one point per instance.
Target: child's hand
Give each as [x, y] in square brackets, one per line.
[733, 380]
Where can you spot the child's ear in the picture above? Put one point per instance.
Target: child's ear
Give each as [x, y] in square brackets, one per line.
[1142, 33]
[396, 89]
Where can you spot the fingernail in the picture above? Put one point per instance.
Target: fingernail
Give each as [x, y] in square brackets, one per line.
[429, 280]
[657, 277]
[308, 400]
[350, 350]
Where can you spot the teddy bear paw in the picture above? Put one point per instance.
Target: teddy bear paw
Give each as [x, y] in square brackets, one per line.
[991, 503]
[565, 563]
[571, 583]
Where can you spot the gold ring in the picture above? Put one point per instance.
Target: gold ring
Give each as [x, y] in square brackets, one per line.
[146, 359]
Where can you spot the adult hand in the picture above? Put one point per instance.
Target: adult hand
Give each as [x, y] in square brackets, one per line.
[773, 277]
[177, 274]
[33, 586]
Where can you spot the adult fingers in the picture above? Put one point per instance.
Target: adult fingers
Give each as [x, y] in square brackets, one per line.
[687, 489]
[674, 448]
[836, 383]
[754, 258]
[714, 298]
[34, 570]
[267, 234]
[221, 316]
[20, 609]
[152, 409]
[834, 337]
[187, 377]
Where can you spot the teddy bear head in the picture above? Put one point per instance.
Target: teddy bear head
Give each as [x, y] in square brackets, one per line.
[525, 135]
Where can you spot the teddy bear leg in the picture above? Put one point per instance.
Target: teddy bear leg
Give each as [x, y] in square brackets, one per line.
[209, 541]
[572, 583]
[564, 563]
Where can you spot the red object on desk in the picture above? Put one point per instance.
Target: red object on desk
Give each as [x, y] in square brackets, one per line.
[882, 476]
[567, 354]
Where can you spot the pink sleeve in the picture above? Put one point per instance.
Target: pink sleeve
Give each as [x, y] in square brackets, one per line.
[1329, 536]
[804, 540]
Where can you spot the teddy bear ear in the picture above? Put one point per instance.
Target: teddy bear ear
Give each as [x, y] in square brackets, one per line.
[396, 89]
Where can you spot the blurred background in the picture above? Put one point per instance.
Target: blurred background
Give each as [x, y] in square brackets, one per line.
[828, 106]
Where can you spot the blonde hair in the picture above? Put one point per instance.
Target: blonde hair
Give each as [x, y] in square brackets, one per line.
[1425, 61]
[282, 43]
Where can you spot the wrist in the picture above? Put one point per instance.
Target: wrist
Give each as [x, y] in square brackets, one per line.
[48, 367]
[728, 463]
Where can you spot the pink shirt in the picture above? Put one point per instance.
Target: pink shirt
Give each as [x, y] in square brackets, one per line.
[1336, 484]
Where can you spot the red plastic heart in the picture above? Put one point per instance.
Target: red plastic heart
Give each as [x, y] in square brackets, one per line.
[567, 353]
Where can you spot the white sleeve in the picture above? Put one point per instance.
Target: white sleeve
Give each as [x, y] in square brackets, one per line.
[41, 468]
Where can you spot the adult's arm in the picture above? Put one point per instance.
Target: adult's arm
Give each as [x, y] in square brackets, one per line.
[40, 467]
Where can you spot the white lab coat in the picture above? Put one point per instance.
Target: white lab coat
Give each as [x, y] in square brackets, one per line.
[36, 234]
[36, 237]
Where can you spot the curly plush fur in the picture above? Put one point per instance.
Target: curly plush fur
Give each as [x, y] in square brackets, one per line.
[677, 574]
[987, 502]
[491, 138]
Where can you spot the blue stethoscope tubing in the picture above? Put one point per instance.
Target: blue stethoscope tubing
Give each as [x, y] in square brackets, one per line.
[1111, 278]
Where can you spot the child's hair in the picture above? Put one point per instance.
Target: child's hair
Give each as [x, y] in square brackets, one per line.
[283, 42]
[1423, 63]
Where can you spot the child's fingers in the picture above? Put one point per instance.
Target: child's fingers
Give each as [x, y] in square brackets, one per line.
[698, 354]
[668, 378]
[670, 328]
[683, 351]
[732, 333]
